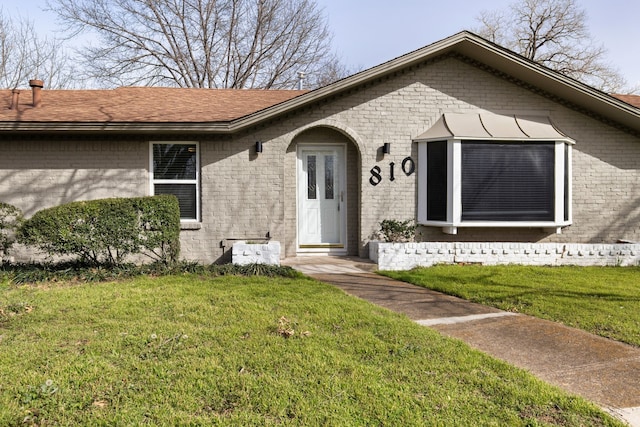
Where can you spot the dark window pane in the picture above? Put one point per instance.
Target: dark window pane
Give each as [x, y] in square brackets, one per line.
[567, 179]
[186, 194]
[437, 181]
[507, 181]
[174, 161]
[328, 177]
[311, 177]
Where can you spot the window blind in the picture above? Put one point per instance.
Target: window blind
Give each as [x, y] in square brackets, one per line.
[507, 181]
[437, 181]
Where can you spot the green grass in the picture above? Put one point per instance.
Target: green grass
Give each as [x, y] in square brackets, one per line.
[193, 350]
[600, 300]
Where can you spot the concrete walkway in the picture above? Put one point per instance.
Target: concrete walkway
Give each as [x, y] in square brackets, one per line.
[603, 371]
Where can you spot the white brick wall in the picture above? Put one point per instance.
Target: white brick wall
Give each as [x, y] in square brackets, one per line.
[244, 253]
[405, 256]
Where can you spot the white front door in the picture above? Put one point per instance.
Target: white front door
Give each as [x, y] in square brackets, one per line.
[321, 198]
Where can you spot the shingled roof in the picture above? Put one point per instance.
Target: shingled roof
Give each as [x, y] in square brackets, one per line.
[629, 99]
[140, 104]
[181, 111]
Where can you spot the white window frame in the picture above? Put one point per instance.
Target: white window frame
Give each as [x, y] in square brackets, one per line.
[196, 181]
[454, 189]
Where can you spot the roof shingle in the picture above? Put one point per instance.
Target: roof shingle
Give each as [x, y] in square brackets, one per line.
[141, 105]
[629, 99]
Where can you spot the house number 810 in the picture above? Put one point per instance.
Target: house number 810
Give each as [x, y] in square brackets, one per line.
[408, 167]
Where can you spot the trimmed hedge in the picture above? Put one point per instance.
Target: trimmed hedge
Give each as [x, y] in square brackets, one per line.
[72, 273]
[107, 231]
[10, 220]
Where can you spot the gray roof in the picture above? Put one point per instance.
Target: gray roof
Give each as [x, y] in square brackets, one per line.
[494, 127]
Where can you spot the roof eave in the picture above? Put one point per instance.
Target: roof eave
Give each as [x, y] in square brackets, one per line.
[552, 83]
[413, 58]
[117, 127]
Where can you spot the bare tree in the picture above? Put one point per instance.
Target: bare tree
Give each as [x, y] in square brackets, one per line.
[553, 33]
[203, 43]
[24, 55]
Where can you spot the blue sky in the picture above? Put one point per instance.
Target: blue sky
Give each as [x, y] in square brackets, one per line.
[369, 32]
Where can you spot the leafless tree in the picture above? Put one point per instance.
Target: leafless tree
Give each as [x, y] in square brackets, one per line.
[553, 33]
[24, 55]
[203, 43]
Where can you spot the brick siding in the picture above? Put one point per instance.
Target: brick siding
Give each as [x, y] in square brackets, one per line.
[246, 196]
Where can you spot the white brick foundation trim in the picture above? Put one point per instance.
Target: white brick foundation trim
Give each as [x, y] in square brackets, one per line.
[244, 253]
[405, 256]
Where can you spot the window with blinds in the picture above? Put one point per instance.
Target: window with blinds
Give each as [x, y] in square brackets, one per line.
[494, 183]
[507, 181]
[175, 171]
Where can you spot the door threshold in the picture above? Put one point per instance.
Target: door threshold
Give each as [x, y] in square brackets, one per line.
[320, 252]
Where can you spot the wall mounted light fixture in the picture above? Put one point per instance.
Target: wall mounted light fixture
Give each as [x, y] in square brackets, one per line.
[258, 146]
[386, 148]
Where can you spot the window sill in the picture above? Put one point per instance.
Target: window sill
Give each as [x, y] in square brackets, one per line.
[452, 228]
[190, 225]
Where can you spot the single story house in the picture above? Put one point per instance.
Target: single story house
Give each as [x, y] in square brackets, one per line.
[473, 141]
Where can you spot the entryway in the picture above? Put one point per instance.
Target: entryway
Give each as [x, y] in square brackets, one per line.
[322, 179]
[322, 199]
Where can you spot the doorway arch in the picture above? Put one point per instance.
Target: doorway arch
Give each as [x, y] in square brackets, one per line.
[337, 161]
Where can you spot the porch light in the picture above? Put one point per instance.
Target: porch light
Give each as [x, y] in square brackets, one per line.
[258, 146]
[386, 148]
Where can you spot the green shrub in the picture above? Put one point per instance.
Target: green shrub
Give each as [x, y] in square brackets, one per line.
[107, 231]
[160, 221]
[10, 220]
[392, 230]
[76, 272]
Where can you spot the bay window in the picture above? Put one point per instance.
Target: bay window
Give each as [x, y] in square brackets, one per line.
[479, 171]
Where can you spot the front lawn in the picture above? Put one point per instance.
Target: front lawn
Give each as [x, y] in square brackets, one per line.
[196, 350]
[600, 300]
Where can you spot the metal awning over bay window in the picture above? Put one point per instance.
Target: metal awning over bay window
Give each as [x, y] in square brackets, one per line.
[489, 170]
